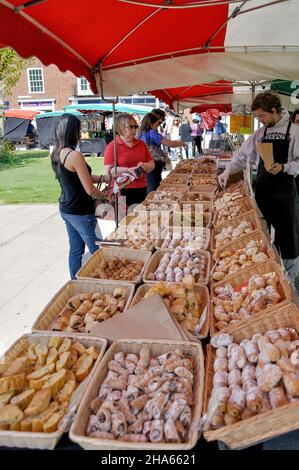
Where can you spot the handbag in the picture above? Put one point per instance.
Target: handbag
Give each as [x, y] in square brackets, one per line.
[157, 153]
[102, 205]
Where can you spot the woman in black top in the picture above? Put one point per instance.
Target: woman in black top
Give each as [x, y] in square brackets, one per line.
[76, 202]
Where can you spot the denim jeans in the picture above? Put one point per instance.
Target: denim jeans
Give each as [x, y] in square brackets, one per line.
[81, 232]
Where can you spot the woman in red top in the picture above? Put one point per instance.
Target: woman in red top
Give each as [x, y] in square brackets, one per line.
[131, 154]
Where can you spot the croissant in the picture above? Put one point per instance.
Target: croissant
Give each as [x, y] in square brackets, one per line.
[251, 350]
[277, 397]
[254, 399]
[119, 425]
[291, 383]
[268, 377]
[170, 431]
[156, 433]
[236, 403]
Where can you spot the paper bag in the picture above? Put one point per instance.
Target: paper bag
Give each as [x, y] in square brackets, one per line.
[148, 319]
[265, 150]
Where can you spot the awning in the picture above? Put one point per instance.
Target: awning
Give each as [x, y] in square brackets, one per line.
[107, 107]
[15, 128]
[144, 45]
[21, 113]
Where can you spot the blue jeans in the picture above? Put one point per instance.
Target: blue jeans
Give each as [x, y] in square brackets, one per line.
[81, 232]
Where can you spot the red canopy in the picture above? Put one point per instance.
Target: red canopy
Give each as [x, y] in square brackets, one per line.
[189, 95]
[21, 113]
[156, 44]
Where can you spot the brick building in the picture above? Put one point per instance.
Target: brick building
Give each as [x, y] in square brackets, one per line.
[45, 88]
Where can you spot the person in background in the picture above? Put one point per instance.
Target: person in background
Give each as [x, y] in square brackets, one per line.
[174, 136]
[185, 132]
[196, 133]
[275, 193]
[76, 202]
[132, 154]
[220, 128]
[295, 120]
[148, 132]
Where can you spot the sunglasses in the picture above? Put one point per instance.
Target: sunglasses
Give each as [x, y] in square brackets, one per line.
[132, 126]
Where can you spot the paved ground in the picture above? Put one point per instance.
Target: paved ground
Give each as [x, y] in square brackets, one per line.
[33, 254]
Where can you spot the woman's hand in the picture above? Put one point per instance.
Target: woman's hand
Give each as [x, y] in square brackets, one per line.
[275, 168]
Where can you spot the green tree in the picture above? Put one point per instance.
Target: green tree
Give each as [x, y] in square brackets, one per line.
[11, 67]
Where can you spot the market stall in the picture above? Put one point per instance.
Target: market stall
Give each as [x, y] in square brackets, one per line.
[18, 127]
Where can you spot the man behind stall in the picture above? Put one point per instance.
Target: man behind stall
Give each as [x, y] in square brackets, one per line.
[275, 193]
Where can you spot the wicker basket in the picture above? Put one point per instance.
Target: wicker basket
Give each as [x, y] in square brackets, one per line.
[144, 225]
[238, 245]
[109, 253]
[205, 206]
[179, 219]
[41, 440]
[201, 188]
[250, 216]
[154, 195]
[168, 186]
[156, 258]
[265, 425]
[146, 207]
[247, 205]
[58, 302]
[241, 278]
[206, 197]
[134, 346]
[202, 290]
[197, 178]
[177, 232]
[239, 186]
[177, 178]
[127, 241]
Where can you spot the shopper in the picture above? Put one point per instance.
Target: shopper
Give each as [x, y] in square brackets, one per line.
[76, 202]
[148, 132]
[196, 133]
[295, 120]
[276, 193]
[185, 132]
[132, 153]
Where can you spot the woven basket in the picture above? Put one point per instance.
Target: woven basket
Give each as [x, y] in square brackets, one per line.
[59, 301]
[178, 219]
[144, 225]
[41, 440]
[109, 253]
[240, 186]
[241, 278]
[247, 205]
[134, 346]
[205, 206]
[168, 186]
[197, 178]
[250, 216]
[154, 194]
[177, 232]
[202, 290]
[177, 178]
[265, 425]
[241, 243]
[204, 196]
[121, 234]
[203, 188]
[156, 258]
[145, 207]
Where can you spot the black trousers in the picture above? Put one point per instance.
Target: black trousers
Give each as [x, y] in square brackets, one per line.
[154, 178]
[196, 143]
[134, 195]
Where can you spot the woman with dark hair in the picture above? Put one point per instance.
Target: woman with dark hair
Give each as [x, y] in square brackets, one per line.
[76, 202]
[148, 132]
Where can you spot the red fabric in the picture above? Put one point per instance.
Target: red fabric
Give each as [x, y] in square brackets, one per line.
[173, 95]
[21, 113]
[129, 157]
[102, 31]
[224, 108]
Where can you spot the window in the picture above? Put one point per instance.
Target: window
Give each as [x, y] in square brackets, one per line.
[35, 80]
[83, 86]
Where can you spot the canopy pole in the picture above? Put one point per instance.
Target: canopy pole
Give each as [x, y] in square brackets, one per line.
[252, 98]
[113, 102]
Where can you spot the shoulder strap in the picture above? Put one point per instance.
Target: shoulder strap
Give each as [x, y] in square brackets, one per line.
[63, 163]
[288, 129]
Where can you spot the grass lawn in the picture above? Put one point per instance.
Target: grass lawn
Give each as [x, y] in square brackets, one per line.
[31, 179]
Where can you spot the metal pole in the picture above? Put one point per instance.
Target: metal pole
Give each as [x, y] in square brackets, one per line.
[114, 139]
[252, 98]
